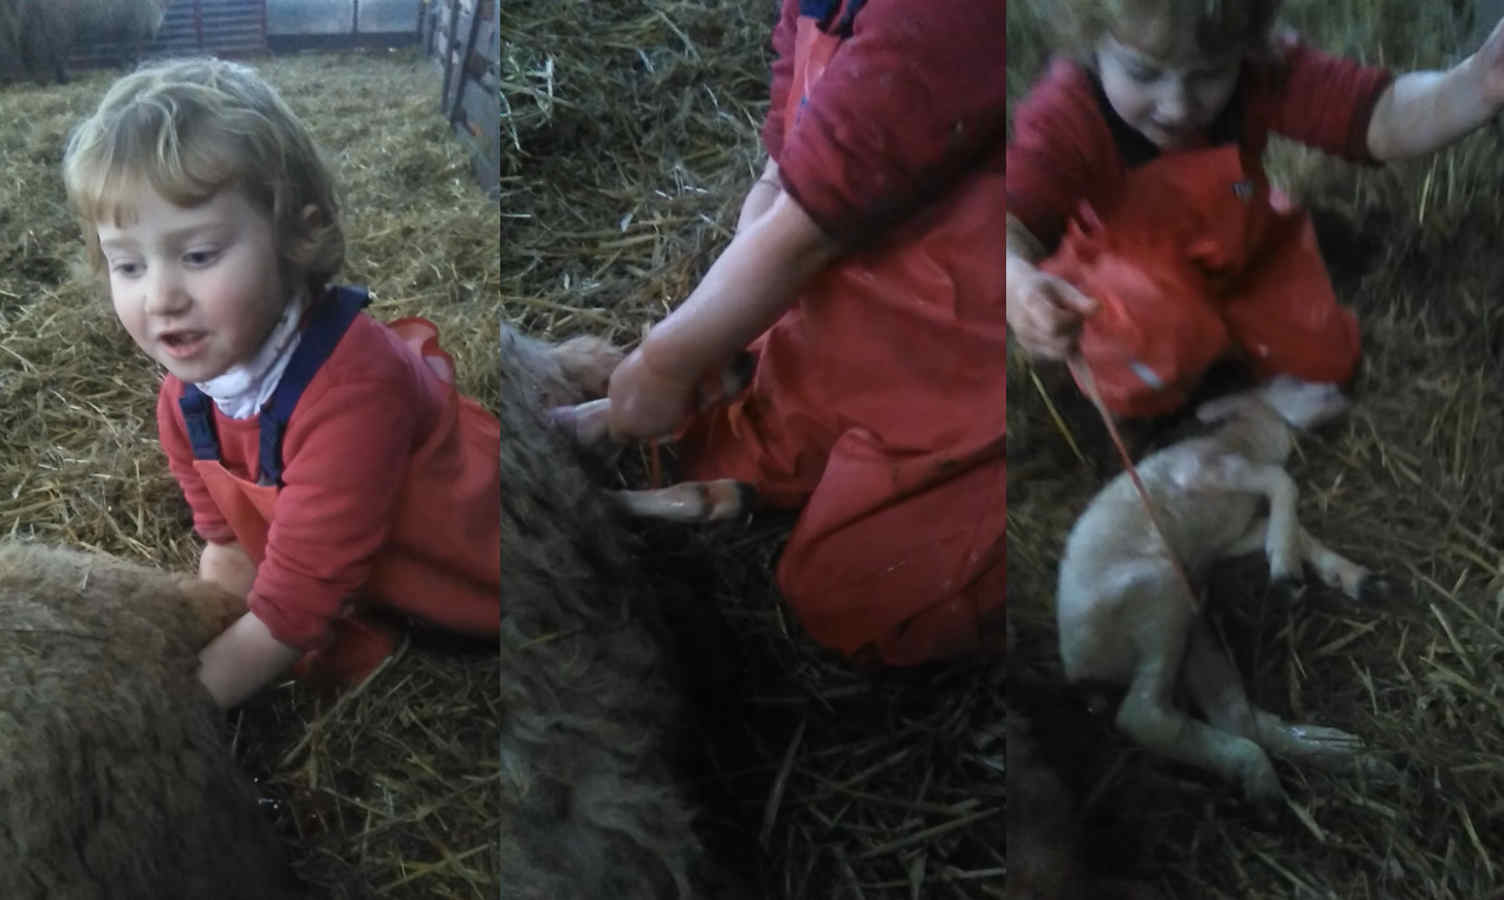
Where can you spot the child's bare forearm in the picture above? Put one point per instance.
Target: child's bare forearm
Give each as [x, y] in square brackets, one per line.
[1421, 112]
[242, 660]
[755, 279]
[760, 196]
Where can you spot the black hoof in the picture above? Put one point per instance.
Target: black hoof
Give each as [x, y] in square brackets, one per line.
[1267, 815]
[1288, 588]
[1377, 589]
[746, 497]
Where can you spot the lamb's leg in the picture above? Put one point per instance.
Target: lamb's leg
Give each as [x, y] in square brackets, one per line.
[1218, 692]
[1148, 716]
[1334, 569]
[691, 501]
[1338, 571]
[586, 422]
[1281, 530]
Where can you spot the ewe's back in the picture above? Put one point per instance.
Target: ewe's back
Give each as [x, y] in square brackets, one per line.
[590, 803]
[115, 779]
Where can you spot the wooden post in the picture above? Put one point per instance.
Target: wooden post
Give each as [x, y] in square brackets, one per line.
[447, 49]
[464, 61]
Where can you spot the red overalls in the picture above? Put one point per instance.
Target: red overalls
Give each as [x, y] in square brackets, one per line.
[1195, 257]
[435, 566]
[877, 404]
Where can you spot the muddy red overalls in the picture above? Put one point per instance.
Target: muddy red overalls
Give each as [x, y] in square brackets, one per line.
[436, 566]
[1193, 258]
[877, 404]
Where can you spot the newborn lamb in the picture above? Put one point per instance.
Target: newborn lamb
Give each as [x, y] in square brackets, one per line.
[1124, 612]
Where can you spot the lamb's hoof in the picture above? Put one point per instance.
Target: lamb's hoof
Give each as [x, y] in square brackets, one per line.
[1380, 770]
[1288, 589]
[1325, 745]
[1261, 785]
[1377, 590]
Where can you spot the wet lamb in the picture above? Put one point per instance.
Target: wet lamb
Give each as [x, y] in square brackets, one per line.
[1125, 615]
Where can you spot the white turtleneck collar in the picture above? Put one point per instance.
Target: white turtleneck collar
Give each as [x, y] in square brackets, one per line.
[244, 388]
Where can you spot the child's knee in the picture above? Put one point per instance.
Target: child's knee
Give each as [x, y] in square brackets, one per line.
[917, 617]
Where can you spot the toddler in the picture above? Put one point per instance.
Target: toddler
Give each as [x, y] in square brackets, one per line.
[1142, 230]
[328, 460]
[865, 266]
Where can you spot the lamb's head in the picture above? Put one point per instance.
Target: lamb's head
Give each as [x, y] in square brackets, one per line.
[1260, 420]
[1302, 404]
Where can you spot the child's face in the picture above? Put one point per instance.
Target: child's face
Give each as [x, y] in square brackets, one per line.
[1171, 98]
[197, 288]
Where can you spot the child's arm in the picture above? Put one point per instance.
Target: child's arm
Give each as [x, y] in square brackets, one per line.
[242, 660]
[760, 196]
[754, 280]
[1424, 111]
[245, 656]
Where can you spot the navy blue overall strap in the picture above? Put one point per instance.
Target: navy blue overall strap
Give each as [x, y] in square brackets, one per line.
[198, 415]
[326, 325]
[823, 11]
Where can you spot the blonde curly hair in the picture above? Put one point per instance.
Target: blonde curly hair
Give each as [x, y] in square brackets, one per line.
[191, 128]
[1215, 26]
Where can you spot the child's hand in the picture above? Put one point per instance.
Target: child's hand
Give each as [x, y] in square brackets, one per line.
[229, 566]
[646, 403]
[1044, 312]
[1490, 60]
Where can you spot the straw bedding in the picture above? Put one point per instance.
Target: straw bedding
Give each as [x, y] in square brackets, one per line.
[1406, 484]
[629, 135]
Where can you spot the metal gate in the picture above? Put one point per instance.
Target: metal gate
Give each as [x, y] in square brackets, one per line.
[228, 28]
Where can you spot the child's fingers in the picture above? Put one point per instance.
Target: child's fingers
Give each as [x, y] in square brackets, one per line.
[1052, 321]
[1067, 297]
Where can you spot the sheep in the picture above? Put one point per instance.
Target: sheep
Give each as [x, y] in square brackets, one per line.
[116, 779]
[592, 802]
[42, 34]
[1125, 615]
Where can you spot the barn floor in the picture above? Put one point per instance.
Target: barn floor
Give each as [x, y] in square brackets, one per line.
[1406, 484]
[629, 138]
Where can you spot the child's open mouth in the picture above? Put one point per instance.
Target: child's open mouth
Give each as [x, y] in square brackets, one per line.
[182, 344]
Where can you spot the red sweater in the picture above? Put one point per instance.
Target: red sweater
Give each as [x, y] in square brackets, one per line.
[912, 100]
[346, 452]
[1064, 151]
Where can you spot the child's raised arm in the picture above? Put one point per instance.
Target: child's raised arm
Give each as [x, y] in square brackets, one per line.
[1421, 112]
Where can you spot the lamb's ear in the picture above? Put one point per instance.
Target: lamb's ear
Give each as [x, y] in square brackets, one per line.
[1223, 407]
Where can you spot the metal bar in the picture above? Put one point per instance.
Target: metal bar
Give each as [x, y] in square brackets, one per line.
[464, 63]
[448, 50]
